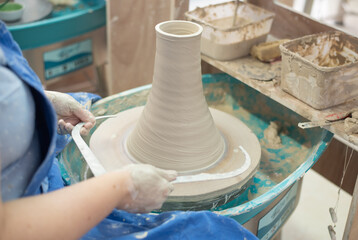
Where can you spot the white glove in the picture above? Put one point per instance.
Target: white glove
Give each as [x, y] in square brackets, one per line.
[69, 113]
[148, 186]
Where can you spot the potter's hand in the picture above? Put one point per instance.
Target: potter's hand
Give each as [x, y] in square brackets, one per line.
[69, 113]
[148, 186]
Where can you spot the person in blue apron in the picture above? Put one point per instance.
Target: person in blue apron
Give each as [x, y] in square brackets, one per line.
[34, 202]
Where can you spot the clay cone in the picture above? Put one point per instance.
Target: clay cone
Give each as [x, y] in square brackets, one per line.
[176, 130]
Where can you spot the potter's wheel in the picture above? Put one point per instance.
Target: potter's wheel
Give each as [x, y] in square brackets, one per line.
[238, 165]
[214, 153]
[279, 168]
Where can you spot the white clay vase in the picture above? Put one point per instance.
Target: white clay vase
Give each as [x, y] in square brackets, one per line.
[176, 130]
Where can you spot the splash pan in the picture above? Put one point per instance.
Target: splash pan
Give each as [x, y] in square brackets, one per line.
[280, 166]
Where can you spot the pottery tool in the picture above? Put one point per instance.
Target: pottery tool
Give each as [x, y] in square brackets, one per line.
[328, 120]
[218, 176]
[92, 161]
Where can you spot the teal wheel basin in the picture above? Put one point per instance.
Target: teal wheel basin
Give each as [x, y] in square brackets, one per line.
[274, 191]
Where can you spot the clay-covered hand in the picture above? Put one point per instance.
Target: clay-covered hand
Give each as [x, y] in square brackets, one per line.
[148, 186]
[69, 113]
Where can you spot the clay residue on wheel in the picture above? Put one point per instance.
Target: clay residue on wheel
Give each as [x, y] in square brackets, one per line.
[271, 135]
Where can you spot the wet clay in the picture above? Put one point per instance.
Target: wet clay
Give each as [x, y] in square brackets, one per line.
[242, 154]
[176, 130]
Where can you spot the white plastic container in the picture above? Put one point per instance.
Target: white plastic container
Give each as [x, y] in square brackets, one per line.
[223, 41]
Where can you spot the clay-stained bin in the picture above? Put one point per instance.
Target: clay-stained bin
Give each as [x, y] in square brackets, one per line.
[221, 39]
[321, 69]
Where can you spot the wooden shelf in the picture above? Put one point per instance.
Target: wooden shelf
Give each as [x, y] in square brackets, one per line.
[248, 69]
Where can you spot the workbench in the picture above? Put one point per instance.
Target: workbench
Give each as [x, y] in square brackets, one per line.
[282, 28]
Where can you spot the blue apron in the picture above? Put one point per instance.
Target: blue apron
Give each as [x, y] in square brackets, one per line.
[45, 115]
[119, 224]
